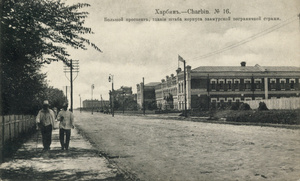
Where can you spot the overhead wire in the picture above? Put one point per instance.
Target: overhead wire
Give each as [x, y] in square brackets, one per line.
[269, 30]
[251, 38]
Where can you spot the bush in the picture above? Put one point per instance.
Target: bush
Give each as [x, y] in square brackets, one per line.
[235, 106]
[244, 106]
[262, 106]
[272, 116]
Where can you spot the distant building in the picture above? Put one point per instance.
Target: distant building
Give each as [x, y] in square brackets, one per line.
[146, 93]
[95, 104]
[166, 93]
[123, 92]
[124, 99]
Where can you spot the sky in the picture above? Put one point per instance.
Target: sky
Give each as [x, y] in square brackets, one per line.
[150, 49]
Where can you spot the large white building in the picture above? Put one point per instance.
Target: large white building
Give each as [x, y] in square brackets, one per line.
[226, 84]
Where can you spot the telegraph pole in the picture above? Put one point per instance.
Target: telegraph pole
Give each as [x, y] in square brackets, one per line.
[111, 78]
[71, 67]
[80, 103]
[299, 19]
[184, 77]
[66, 93]
[185, 109]
[71, 78]
[92, 87]
[144, 105]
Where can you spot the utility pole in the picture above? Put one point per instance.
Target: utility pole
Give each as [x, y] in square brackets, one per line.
[123, 92]
[185, 109]
[299, 19]
[184, 77]
[111, 79]
[66, 93]
[144, 104]
[208, 95]
[80, 103]
[71, 67]
[71, 78]
[92, 88]
[101, 102]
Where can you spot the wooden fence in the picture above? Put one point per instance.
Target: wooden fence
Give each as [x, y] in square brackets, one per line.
[282, 103]
[12, 128]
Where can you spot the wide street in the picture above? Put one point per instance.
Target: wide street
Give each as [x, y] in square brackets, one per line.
[152, 148]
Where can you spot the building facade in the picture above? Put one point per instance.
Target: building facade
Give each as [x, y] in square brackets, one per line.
[217, 84]
[95, 104]
[146, 95]
[166, 93]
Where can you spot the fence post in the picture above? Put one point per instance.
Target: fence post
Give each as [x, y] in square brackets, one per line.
[2, 139]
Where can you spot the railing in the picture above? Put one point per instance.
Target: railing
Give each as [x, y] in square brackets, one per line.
[282, 103]
[12, 128]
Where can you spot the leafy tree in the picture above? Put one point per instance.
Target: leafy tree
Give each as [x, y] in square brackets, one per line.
[41, 28]
[34, 32]
[56, 97]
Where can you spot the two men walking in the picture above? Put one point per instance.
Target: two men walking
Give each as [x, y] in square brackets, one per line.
[45, 122]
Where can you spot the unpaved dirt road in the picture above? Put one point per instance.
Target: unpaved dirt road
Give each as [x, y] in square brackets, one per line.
[158, 149]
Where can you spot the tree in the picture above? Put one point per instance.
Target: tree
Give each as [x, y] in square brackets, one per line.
[34, 32]
[41, 28]
[56, 97]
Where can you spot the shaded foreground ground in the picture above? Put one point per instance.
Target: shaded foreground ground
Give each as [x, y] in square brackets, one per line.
[80, 162]
[164, 149]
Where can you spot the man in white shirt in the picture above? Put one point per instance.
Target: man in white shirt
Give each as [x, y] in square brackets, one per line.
[45, 122]
[66, 119]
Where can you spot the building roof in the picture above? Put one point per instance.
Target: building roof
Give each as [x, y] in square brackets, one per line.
[256, 68]
[152, 84]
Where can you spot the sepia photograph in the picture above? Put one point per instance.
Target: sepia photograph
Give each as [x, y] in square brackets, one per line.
[160, 90]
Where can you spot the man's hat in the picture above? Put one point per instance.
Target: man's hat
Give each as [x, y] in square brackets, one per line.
[46, 102]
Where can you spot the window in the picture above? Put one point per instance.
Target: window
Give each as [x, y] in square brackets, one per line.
[213, 83]
[237, 99]
[221, 84]
[292, 84]
[213, 99]
[229, 100]
[248, 99]
[236, 84]
[222, 100]
[282, 84]
[273, 84]
[229, 84]
[257, 83]
[247, 83]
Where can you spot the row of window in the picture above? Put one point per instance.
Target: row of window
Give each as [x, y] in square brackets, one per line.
[231, 99]
[235, 81]
[235, 85]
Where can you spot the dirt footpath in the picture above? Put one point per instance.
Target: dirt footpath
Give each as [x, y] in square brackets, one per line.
[159, 149]
[80, 162]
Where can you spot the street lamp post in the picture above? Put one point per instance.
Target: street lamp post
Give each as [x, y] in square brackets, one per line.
[80, 103]
[92, 98]
[111, 79]
[123, 92]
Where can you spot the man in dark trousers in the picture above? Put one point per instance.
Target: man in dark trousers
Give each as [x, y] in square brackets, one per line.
[66, 119]
[45, 122]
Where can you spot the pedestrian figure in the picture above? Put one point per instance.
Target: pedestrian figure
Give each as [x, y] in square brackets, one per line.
[66, 119]
[55, 112]
[45, 122]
